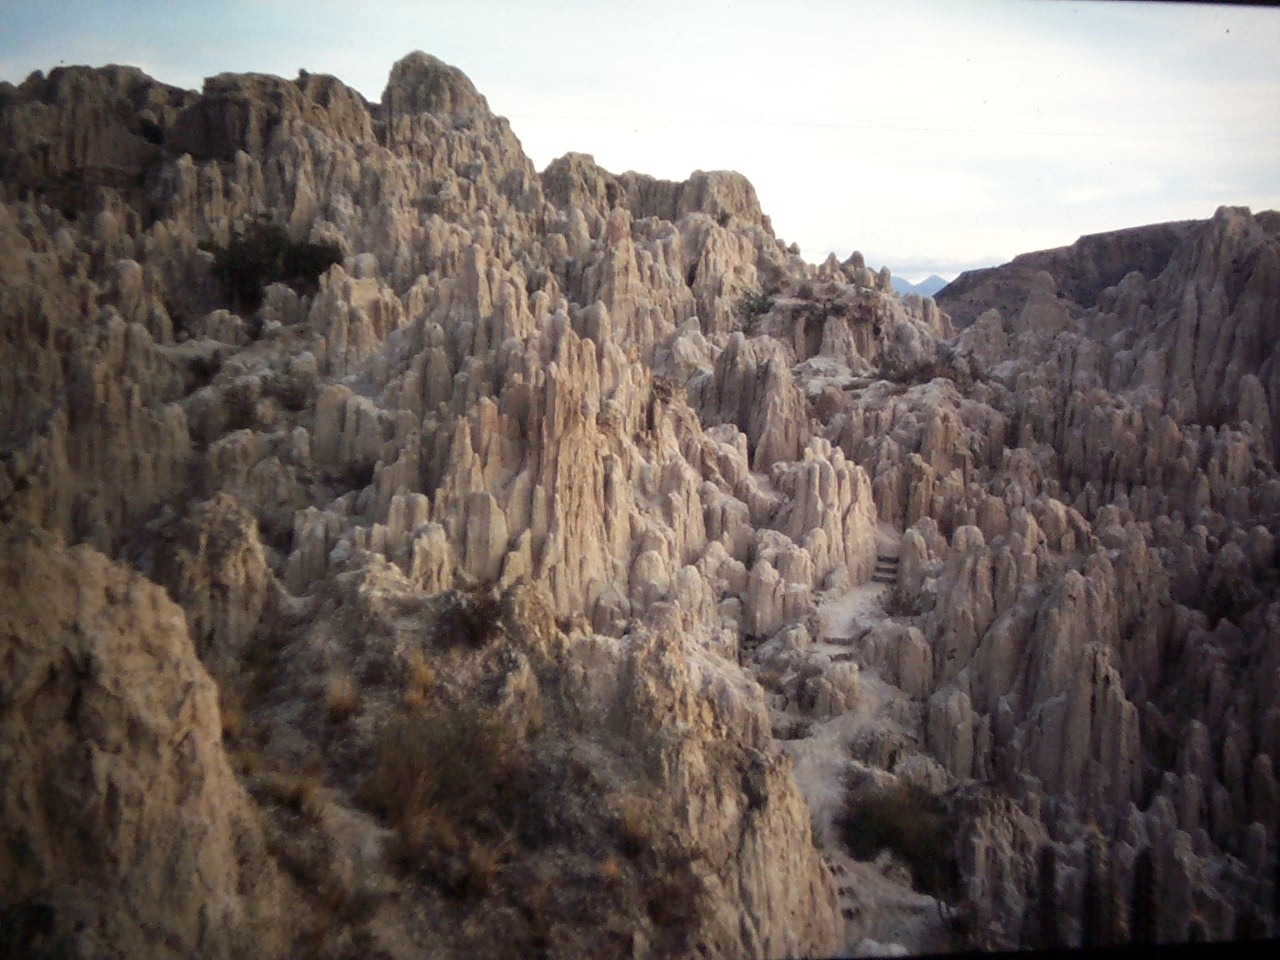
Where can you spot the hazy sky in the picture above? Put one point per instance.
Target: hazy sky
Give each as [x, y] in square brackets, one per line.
[930, 135]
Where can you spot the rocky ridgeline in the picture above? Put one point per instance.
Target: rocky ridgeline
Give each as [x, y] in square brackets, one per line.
[569, 464]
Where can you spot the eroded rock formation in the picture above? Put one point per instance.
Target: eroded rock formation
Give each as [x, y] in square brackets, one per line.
[583, 477]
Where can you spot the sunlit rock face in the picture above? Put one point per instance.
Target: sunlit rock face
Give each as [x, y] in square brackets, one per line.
[596, 466]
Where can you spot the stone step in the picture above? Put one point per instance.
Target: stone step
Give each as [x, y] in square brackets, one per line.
[886, 569]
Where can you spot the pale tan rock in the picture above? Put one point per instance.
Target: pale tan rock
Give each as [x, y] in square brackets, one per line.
[213, 565]
[115, 781]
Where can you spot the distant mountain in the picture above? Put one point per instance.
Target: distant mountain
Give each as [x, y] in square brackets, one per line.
[926, 287]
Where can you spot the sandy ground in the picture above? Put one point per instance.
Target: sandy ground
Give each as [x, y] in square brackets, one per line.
[850, 614]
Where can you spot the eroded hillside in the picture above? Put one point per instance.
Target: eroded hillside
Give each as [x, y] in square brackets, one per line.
[583, 573]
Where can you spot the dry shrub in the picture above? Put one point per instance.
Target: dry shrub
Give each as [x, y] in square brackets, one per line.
[633, 827]
[299, 792]
[470, 619]
[534, 908]
[672, 896]
[453, 785]
[610, 871]
[472, 875]
[341, 698]
[908, 821]
[347, 899]
[421, 677]
[896, 603]
[230, 708]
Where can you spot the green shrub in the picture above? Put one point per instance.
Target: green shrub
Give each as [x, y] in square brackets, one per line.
[909, 822]
[263, 253]
[754, 304]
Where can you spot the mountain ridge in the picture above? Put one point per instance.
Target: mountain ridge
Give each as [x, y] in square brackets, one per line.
[927, 287]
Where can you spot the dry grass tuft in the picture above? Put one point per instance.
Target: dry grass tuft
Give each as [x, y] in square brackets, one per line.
[421, 678]
[479, 869]
[298, 792]
[633, 827]
[610, 871]
[341, 698]
[231, 714]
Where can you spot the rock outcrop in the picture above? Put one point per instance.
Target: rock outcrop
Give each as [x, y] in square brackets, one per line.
[124, 827]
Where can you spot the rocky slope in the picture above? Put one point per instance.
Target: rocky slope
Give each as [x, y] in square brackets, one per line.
[1081, 271]
[530, 547]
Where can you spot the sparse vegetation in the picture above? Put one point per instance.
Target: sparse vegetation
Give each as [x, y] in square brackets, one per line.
[298, 792]
[27, 932]
[633, 827]
[452, 784]
[897, 603]
[909, 822]
[753, 305]
[1229, 598]
[469, 619]
[231, 714]
[421, 677]
[671, 897]
[946, 364]
[341, 698]
[610, 871]
[263, 253]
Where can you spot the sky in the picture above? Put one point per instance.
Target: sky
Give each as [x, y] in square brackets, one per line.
[931, 135]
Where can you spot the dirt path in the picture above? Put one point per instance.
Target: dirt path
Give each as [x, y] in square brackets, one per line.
[883, 915]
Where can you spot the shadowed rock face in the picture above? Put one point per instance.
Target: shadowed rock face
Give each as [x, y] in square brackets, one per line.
[593, 464]
[85, 123]
[1081, 271]
[121, 814]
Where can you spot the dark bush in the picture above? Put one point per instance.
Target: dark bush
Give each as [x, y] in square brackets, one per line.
[671, 897]
[151, 131]
[27, 932]
[469, 619]
[754, 304]
[909, 822]
[947, 365]
[263, 253]
[1229, 598]
[303, 263]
